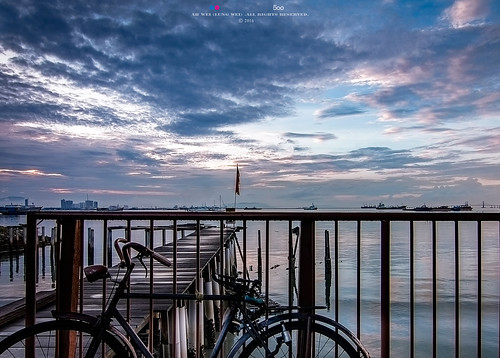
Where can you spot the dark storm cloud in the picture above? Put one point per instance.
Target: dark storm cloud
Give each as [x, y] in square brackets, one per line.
[173, 59]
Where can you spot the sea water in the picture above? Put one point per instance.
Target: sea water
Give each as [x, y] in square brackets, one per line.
[12, 279]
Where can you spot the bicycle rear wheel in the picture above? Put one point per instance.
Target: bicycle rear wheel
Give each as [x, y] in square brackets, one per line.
[64, 338]
[323, 342]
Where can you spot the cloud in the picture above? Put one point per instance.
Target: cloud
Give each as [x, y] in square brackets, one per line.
[120, 95]
[316, 136]
[466, 12]
[339, 110]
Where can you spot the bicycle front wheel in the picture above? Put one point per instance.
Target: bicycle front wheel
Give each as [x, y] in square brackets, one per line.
[64, 338]
[290, 339]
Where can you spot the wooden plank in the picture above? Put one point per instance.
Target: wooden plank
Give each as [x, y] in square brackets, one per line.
[17, 309]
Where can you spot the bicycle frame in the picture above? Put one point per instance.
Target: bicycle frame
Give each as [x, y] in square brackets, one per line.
[251, 327]
[134, 342]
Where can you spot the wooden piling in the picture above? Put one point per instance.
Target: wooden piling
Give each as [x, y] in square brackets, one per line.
[208, 307]
[328, 270]
[259, 258]
[90, 247]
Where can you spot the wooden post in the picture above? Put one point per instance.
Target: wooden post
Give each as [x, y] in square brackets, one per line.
[307, 287]
[69, 277]
[306, 265]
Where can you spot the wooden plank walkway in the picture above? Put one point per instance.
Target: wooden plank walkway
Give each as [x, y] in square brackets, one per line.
[163, 279]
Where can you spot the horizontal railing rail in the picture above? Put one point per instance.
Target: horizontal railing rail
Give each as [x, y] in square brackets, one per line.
[407, 283]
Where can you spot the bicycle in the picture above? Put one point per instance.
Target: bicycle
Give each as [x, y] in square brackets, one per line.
[297, 333]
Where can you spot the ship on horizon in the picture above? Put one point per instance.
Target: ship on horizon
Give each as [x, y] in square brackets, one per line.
[18, 209]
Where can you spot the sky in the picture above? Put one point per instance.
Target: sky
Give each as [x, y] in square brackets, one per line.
[337, 103]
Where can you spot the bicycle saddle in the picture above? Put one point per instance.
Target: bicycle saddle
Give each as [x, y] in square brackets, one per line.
[96, 272]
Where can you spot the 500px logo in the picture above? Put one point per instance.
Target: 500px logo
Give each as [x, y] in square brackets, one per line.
[278, 8]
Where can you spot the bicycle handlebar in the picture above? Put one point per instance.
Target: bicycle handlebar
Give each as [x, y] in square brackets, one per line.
[124, 252]
[251, 288]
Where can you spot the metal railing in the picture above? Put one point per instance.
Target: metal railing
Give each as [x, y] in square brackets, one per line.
[408, 283]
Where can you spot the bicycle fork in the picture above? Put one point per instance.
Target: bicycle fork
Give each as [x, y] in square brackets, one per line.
[285, 338]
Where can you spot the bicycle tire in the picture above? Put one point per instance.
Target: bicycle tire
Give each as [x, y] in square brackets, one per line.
[327, 342]
[45, 335]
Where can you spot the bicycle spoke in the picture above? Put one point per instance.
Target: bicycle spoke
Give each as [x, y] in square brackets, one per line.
[72, 337]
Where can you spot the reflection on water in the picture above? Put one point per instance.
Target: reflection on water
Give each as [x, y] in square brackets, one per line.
[12, 278]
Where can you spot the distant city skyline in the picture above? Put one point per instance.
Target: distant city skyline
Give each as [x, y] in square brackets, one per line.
[340, 104]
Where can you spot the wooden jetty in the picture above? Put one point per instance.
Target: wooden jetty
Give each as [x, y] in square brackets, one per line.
[192, 252]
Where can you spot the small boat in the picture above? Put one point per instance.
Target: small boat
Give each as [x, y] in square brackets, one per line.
[311, 207]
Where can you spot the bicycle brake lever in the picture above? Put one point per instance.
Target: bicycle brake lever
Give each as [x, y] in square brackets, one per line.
[139, 257]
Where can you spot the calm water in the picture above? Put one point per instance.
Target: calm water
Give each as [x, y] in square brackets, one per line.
[12, 276]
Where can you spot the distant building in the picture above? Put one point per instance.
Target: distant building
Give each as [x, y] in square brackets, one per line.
[66, 204]
[86, 205]
[89, 204]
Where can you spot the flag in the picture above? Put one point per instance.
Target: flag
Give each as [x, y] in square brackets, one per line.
[237, 186]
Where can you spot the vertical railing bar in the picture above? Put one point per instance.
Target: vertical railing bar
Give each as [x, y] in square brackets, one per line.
[244, 256]
[267, 264]
[151, 285]
[174, 288]
[336, 270]
[222, 253]
[358, 279]
[457, 289]
[221, 268]
[104, 260]
[290, 263]
[105, 263]
[82, 245]
[412, 289]
[385, 288]
[198, 285]
[479, 288]
[128, 237]
[434, 288]
[174, 255]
